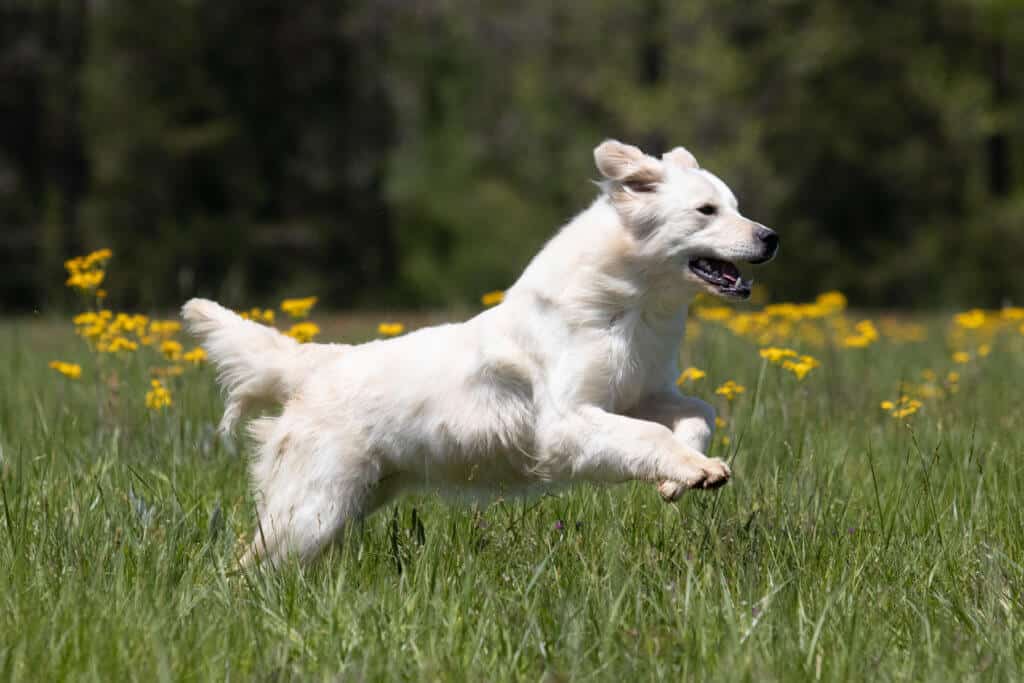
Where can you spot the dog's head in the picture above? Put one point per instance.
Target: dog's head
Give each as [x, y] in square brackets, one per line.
[685, 219]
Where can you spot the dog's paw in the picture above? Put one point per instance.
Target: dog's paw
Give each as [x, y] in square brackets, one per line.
[710, 473]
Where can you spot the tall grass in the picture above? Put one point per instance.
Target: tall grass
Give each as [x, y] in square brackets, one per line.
[849, 545]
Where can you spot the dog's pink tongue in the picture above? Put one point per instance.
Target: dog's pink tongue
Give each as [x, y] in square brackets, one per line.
[730, 272]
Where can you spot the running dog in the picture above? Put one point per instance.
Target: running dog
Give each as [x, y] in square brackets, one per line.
[571, 378]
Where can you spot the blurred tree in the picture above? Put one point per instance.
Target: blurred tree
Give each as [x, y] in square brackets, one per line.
[418, 153]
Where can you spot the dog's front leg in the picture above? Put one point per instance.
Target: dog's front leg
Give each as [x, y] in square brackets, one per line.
[692, 422]
[593, 444]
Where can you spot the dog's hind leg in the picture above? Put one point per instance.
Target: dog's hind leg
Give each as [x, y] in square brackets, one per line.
[309, 490]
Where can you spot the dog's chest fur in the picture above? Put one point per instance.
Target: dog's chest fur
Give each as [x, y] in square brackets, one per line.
[632, 358]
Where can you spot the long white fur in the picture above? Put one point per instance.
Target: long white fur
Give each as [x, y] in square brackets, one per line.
[571, 378]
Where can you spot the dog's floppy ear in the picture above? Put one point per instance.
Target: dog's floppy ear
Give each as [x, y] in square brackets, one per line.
[626, 164]
[680, 157]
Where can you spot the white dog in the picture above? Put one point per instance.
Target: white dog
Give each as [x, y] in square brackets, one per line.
[571, 378]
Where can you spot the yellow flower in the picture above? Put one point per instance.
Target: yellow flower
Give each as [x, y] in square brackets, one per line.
[303, 332]
[775, 354]
[84, 281]
[908, 408]
[831, 302]
[171, 349]
[984, 350]
[390, 329]
[866, 329]
[69, 370]
[1012, 313]
[855, 341]
[158, 397]
[120, 344]
[93, 331]
[259, 315]
[714, 312]
[298, 308]
[87, 318]
[904, 407]
[730, 390]
[928, 375]
[970, 320]
[720, 422]
[961, 357]
[953, 377]
[195, 356]
[493, 298]
[96, 258]
[690, 374]
[800, 368]
[75, 265]
[164, 328]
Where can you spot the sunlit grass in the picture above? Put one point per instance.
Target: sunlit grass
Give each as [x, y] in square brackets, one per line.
[851, 544]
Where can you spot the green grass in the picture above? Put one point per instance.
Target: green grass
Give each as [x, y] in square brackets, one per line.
[849, 545]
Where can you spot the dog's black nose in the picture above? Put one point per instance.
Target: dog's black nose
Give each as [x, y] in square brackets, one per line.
[770, 239]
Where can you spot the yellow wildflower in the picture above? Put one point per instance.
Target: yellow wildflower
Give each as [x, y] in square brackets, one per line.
[928, 375]
[714, 312]
[1012, 313]
[390, 329]
[775, 354]
[801, 367]
[84, 281]
[96, 258]
[164, 328]
[730, 390]
[298, 308]
[953, 377]
[259, 315]
[69, 370]
[158, 397]
[904, 407]
[970, 320]
[690, 374]
[120, 344]
[961, 357]
[866, 329]
[984, 350]
[831, 302]
[493, 298]
[171, 349]
[87, 318]
[195, 356]
[303, 332]
[720, 422]
[907, 408]
[855, 341]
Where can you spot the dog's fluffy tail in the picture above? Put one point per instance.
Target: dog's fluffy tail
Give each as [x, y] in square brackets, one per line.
[256, 364]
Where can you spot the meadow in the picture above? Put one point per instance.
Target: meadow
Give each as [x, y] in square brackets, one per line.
[871, 531]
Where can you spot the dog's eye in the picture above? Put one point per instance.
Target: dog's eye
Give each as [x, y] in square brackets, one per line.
[640, 186]
[708, 209]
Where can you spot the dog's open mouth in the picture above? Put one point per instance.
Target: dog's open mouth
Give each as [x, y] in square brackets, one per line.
[723, 276]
